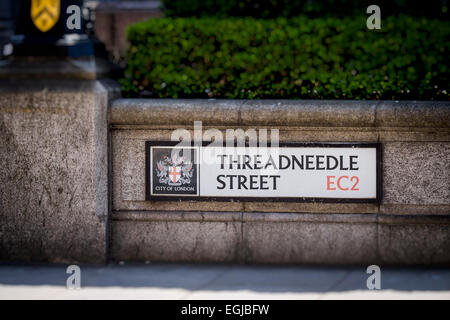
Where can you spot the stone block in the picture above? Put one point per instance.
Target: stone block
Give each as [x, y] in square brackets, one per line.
[416, 173]
[175, 241]
[54, 178]
[311, 242]
[412, 242]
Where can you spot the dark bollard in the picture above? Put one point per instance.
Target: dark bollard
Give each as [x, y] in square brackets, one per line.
[53, 28]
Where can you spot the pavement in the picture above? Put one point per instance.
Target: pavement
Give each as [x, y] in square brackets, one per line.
[214, 282]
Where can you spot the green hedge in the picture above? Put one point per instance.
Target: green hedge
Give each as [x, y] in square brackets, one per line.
[289, 8]
[303, 58]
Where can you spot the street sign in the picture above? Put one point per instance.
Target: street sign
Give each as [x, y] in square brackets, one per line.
[302, 172]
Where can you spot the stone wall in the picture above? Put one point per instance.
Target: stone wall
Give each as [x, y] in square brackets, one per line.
[54, 191]
[72, 180]
[411, 225]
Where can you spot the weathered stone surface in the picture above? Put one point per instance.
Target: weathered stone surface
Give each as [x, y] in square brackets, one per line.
[415, 209]
[267, 217]
[309, 113]
[320, 238]
[424, 114]
[413, 134]
[244, 112]
[132, 169]
[311, 207]
[409, 244]
[174, 112]
[178, 216]
[414, 240]
[175, 241]
[323, 134]
[407, 219]
[250, 238]
[291, 242]
[285, 113]
[416, 173]
[54, 176]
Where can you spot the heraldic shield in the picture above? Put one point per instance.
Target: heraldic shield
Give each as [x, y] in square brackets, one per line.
[45, 13]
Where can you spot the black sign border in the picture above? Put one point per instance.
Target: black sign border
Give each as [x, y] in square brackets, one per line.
[379, 163]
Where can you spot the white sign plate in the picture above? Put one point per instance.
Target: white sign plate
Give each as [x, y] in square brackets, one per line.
[326, 172]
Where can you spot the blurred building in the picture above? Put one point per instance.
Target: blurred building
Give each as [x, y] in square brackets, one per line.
[7, 9]
[113, 16]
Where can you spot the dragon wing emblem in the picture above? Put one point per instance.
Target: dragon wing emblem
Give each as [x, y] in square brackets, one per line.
[162, 172]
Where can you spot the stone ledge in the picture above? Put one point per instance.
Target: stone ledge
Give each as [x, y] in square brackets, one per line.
[422, 114]
[406, 219]
[414, 209]
[177, 216]
[289, 113]
[359, 239]
[174, 111]
[309, 217]
[280, 217]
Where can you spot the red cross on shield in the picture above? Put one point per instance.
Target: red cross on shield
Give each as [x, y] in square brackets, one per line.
[174, 173]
